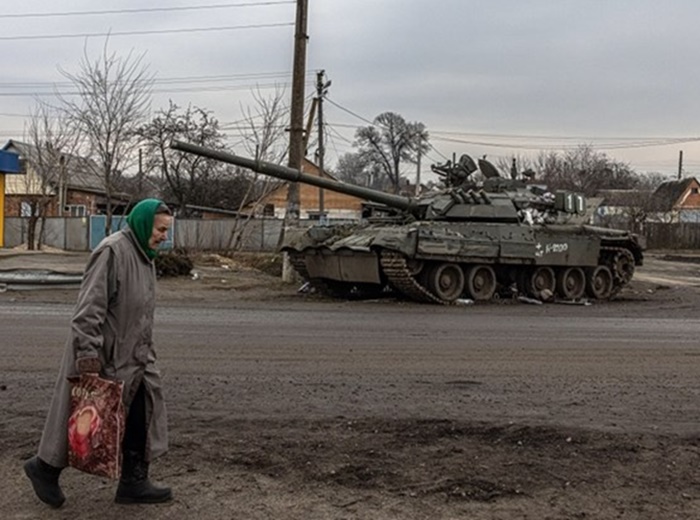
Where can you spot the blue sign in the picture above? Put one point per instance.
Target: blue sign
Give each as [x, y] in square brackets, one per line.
[9, 162]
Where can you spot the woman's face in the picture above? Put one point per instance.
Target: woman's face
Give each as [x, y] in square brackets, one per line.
[161, 224]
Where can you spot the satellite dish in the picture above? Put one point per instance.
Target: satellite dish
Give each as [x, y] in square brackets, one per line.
[488, 169]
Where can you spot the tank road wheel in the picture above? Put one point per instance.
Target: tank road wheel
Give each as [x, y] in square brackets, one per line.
[414, 266]
[539, 282]
[599, 282]
[571, 283]
[481, 282]
[445, 281]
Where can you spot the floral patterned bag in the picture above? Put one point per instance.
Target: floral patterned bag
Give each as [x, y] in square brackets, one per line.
[96, 425]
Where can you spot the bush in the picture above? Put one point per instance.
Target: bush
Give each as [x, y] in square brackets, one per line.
[173, 263]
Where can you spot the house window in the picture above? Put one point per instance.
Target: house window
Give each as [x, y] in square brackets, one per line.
[694, 191]
[76, 210]
[322, 218]
[269, 210]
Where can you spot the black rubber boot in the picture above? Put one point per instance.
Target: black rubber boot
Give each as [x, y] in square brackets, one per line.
[134, 486]
[44, 479]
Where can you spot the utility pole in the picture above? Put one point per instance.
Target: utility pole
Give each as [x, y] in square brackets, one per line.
[296, 129]
[62, 192]
[140, 174]
[680, 165]
[309, 125]
[321, 90]
[418, 169]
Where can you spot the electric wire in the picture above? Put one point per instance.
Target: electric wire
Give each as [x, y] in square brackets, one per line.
[606, 143]
[147, 32]
[143, 10]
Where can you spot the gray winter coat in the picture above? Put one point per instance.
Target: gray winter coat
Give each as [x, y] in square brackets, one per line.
[111, 331]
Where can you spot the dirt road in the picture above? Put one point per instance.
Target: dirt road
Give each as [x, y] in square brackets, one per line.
[291, 406]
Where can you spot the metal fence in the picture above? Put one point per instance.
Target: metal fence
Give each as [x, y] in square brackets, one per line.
[73, 234]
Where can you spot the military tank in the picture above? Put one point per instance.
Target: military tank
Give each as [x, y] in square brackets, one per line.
[470, 239]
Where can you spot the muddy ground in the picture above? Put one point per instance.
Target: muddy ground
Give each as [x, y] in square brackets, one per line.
[374, 465]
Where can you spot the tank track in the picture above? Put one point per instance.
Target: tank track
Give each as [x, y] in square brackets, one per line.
[620, 278]
[396, 270]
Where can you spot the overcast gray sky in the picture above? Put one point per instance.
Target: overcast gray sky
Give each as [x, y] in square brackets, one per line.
[492, 77]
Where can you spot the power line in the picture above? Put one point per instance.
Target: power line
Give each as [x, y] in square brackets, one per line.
[373, 124]
[633, 142]
[611, 144]
[543, 137]
[142, 10]
[135, 33]
[212, 88]
[350, 112]
[165, 80]
[599, 146]
[607, 143]
[340, 136]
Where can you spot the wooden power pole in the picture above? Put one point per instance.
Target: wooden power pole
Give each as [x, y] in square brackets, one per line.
[296, 127]
[321, 89]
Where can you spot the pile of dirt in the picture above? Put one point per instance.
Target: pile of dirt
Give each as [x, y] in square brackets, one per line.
[268, 263]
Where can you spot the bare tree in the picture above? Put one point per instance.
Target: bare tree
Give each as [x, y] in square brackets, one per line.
[52, 143]
[188, 178]
[585, 170]
[582, 169]
[113, 99]
[263, 127]
[263, 130]
[356, 168]
[515, 165]
[391, 141]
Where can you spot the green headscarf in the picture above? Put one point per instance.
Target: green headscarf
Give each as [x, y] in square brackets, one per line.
[140, 220]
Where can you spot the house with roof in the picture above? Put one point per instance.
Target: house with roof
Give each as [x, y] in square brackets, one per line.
[336, 206]
[622, 208]
[677, 201]
[74, 188]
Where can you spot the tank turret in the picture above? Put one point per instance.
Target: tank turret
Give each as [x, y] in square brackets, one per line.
[475, 240]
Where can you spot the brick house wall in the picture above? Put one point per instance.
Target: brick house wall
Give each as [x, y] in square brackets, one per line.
[691, 197]
[335, 205]
[13, 204]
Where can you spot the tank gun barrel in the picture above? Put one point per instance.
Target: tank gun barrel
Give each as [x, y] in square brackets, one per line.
[293, 175]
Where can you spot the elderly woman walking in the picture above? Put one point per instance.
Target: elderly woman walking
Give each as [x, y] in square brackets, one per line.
[111, 336]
